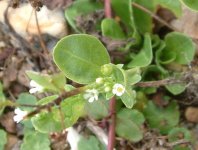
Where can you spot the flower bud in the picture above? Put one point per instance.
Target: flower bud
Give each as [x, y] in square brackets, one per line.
[107, 69]
[99, 80]
[107, 89]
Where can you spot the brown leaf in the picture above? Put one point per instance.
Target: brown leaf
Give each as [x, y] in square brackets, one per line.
[11, 141]
[187, 23]
[8, 123]
[22, 77]
[191, 114]
[10, 73]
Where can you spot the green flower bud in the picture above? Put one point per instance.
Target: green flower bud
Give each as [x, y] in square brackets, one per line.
[107, 69]
[107, 89]
[99, 80]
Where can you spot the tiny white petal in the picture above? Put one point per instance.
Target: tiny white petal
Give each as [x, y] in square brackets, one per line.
[19, 115]
[35, 87]
[33, 83]
[33, 90]
[91, 95]
[114, 91]
[118, 89]
[96, 97]
[17, 111]
[91, 99]
[17, 119]
[119, 94]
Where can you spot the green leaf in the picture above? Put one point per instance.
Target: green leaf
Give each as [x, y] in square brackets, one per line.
[53, 83]
[28, 99]
[124, 10]
[59, 80]
[163, 119]
[80, 57]
[2, 98]
[192, 4]
[79, 8]
[133, 76]
[165, 58]
[145, 56]
[128, 124]
[98, 109]
[142, 19]
[59, 118]
[45, 122]
[176, 88]
[142, 101]
[72, 109]
[181, 45]
[35, 141]
[120, 76]
[177, 134]
[111, 29]
[91, 143]
[173, 5]
[3, 140]
[128, 98]
[47, 100]
[159, 55]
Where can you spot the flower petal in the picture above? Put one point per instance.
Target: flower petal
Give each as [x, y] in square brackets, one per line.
[91, 99]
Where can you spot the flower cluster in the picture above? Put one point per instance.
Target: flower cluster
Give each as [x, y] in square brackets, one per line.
[92, 94]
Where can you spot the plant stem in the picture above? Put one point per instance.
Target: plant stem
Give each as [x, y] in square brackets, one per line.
[154, 16]
[107, 5]
[111, 135]
[160, 83]
[39, 35]
[56, 101]
[112, 103]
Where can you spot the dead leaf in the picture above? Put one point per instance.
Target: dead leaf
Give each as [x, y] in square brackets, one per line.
[8, 123]
[187, 23]
[10, 73]
[11, 141]
[22, 77]
[191, 114]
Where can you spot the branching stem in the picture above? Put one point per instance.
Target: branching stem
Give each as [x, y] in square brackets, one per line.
[56, 101]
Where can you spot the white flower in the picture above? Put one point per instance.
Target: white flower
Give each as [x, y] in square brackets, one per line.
[19, 115]
[35, 87]
[91, 95]
[118, 89]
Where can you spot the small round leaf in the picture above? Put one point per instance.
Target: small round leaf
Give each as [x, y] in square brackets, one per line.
[192, 4]
[80, 57]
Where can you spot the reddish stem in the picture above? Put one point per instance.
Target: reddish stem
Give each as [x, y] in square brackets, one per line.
[107, 5]
[112, 103]
[111, 135]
